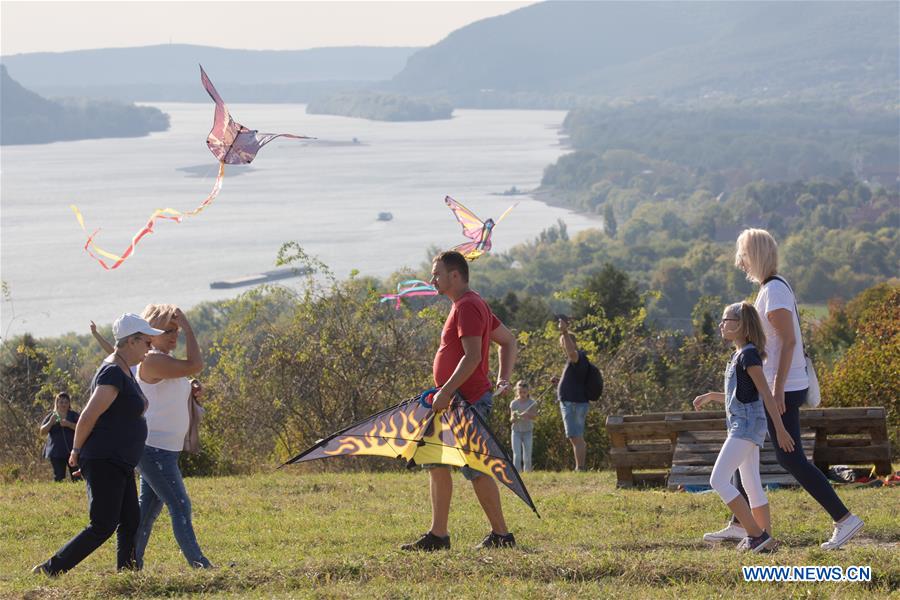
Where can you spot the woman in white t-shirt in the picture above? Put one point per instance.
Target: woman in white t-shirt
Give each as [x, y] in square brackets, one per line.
[164, 381]
[785, 371]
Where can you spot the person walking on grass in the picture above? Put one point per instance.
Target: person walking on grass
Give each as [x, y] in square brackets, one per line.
[522, 413]
[756, 254]
[108, 443]
[164, 380]
[747, 399]
[572, 394]
[59, 427]
[461, 371]
[172, 427]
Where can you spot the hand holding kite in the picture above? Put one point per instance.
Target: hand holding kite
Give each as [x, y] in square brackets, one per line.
[474, 228]
[412, 431]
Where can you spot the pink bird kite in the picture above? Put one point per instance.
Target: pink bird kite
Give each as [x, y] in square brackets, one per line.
[478, 231]
[229, 141]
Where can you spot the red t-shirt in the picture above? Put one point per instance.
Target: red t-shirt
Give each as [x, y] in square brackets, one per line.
[469, 316]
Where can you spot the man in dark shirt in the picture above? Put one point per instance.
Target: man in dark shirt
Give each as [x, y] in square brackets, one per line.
[572, 394]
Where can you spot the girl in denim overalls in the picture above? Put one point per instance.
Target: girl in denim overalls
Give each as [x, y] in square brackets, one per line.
[747, 397]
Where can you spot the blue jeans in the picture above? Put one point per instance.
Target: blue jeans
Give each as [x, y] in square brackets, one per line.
[574, 415]
[521, 447]
[161, 482]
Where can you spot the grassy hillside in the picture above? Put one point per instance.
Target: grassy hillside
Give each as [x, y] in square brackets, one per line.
[292, 534]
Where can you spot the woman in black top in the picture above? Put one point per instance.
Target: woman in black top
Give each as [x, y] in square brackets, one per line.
[109, 440]
[59, 427]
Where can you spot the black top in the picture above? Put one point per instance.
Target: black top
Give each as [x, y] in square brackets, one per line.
[572, 384]
[120, 432]
[746, 357]
[59, 442]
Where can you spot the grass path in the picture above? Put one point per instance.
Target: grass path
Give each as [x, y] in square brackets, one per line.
[292, 534]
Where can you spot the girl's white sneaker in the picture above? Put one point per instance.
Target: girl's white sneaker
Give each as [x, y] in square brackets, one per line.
[732, 532]
[843, 532]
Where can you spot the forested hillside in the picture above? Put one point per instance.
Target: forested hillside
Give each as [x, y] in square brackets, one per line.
[674, 50]
[27, 118]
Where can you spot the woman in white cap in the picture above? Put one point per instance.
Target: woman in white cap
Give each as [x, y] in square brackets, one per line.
[109, 442]
[164, 381]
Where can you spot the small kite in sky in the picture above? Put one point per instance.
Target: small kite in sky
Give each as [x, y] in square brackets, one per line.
[474, 228]
[229, 141]
[409, 289]
[412, 431]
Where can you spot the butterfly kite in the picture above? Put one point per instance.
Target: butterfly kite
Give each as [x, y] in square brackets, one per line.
[408, 289]
[229, 141]
[412, 431]
[474, 228]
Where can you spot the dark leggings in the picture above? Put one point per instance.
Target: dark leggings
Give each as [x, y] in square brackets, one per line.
[807, 474]
[113, 508]
[59, 469]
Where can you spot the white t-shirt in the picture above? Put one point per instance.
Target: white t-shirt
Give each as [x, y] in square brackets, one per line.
[771, 297]
[168, 416]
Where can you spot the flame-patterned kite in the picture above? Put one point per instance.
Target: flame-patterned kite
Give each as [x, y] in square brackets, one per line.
[229, 141]
[410, 430]
[408, 289]
[474, 228]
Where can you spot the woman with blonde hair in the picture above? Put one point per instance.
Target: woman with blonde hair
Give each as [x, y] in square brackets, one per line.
[164, 381]
[785, 370]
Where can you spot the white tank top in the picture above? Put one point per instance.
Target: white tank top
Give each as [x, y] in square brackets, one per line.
[167, 415]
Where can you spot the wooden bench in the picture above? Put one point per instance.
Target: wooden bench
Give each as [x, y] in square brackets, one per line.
[696, 453]
[853, 436]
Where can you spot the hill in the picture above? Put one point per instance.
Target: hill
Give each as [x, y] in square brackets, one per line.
[294, 534]
[676, 50]
[169, 72]
[28, 118]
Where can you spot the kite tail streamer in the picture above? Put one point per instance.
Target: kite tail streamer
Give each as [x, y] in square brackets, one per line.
[161, 213]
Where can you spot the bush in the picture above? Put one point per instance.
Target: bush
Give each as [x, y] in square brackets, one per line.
[869, 373]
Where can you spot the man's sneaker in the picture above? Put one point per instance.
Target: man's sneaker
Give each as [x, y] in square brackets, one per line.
[428, 543]
[495, 540]
[732, 532]
[42, 569]
[843, 532]
[756, 544]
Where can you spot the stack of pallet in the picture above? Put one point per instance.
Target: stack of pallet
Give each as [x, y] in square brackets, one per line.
[696, 452]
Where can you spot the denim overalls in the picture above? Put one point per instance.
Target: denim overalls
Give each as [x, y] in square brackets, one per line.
[744, 421]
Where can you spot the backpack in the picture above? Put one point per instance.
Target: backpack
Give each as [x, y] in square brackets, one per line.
[593, 385]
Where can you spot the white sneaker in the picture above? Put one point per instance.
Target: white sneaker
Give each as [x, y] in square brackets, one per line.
[732, 532]
[843, 532]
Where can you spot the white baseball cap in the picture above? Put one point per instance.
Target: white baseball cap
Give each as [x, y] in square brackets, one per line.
[129, 324]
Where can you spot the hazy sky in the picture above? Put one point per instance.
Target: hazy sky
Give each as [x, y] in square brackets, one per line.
[35, 26]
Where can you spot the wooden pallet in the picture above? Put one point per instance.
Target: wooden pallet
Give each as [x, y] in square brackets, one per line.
[696, 453]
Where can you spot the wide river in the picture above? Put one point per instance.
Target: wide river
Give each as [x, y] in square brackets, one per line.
[325, 195]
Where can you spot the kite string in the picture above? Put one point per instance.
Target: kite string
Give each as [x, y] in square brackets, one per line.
[161, 213]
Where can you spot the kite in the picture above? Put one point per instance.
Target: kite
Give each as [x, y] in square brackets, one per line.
[412, 431]
[408, 289]
[229, 141]
[474, 228]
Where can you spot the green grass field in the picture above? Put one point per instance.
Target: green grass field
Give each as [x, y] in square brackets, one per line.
[293, 534]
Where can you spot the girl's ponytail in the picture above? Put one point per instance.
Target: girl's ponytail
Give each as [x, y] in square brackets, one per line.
[751, 326]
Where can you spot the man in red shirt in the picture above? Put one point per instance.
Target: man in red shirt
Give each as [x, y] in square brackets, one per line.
[461, 370]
